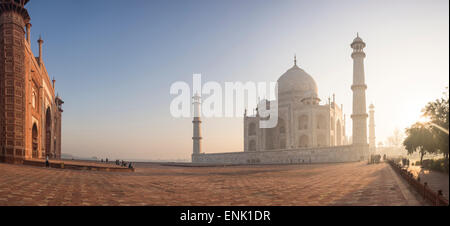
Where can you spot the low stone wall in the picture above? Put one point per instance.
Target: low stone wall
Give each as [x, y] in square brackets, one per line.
[74, 166]
[435, 198]
[293, 156]
[11, 160]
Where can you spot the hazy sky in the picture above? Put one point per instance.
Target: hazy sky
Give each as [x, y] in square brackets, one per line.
[114, 62]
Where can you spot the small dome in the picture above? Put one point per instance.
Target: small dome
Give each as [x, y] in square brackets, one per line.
[358, 39]
[358, 42]
[296, 84]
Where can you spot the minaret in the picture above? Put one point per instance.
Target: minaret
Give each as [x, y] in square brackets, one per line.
[372, 144]
[40, 42]
[58, 121]
[345, 128]
[359, 87]
[28, 27]
[13, 18]
[197, 137]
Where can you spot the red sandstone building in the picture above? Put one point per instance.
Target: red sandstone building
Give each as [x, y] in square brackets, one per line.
[30, 112]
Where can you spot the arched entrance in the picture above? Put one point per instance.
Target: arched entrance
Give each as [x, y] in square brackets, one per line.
[303, 122]
[252, 145]
[321, 141]
[275, 138]
[269, 138]
[48, 133]
[34, 141]
[320, 121]
[303, 141]
[281, 126]
[282, 132]
[252, 129]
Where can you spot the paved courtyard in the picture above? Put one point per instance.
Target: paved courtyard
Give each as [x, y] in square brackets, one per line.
[153, 184]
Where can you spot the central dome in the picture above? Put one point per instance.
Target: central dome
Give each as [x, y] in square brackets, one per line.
[296, 84]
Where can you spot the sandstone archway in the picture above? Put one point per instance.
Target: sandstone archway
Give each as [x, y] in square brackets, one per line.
[34, 141]
[48, 133]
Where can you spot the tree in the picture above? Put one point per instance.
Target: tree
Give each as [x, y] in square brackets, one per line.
[420, 138]
[438, 113]
[396, 139]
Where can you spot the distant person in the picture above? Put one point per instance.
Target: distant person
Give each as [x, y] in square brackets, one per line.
[47, 164]
[130, 166]
[106, 160]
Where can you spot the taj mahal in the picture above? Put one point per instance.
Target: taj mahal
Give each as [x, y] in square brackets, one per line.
[307, 131]
[302, 121]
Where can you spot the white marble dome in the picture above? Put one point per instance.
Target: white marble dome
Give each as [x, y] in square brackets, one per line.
[296, 84]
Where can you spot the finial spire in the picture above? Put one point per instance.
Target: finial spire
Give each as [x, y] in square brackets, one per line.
[295, 59]
[357, 34]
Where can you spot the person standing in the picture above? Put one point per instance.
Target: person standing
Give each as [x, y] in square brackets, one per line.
[47, 164]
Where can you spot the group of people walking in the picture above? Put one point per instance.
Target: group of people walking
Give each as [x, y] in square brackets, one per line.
[405, 162]
[118, 163]
[124, 164]
[374, 159]
[121, 163]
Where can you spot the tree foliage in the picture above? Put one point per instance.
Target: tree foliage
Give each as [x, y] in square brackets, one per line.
[420, 138]
[438, 112]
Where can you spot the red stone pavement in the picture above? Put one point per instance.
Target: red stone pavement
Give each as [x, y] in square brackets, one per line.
[153, 184]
